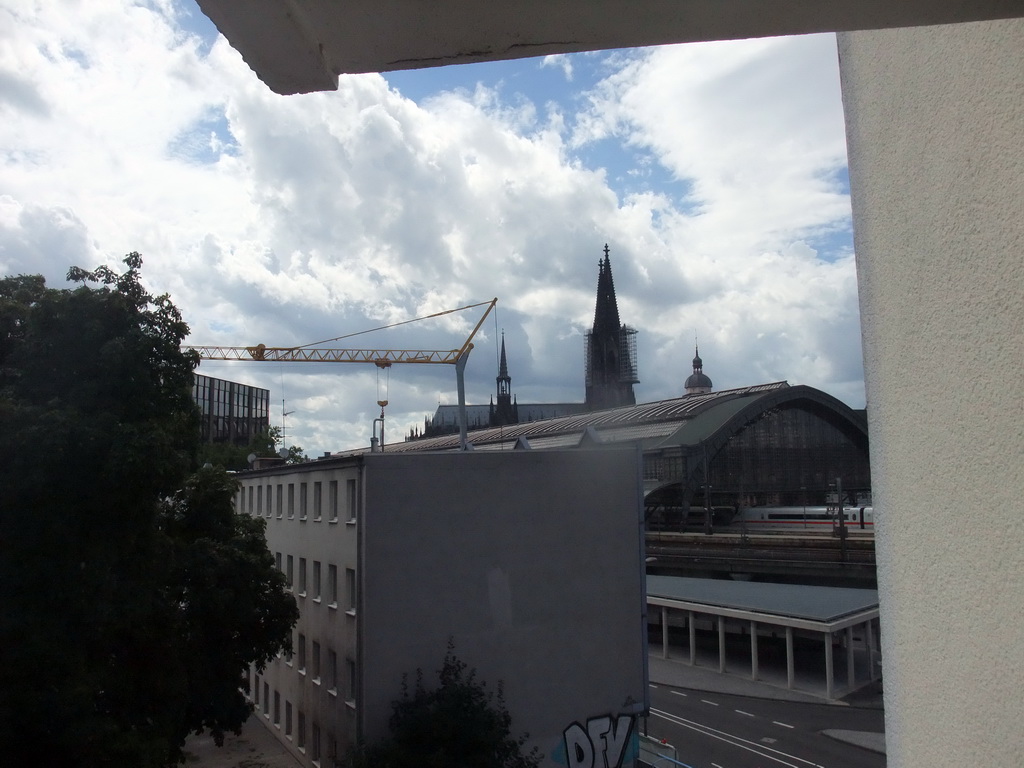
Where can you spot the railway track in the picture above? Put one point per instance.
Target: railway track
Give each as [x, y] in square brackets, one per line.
[802, 555]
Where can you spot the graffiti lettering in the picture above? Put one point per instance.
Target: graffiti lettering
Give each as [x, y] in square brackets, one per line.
[602, 744]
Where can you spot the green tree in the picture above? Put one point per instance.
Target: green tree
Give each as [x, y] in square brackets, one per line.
[234, 609]
[100, 663]
[236, 457]
[459, 723]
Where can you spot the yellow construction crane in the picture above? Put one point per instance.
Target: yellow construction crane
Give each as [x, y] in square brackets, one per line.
[382, 358]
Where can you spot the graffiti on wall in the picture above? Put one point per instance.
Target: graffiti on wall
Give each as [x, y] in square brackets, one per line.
[606, 741]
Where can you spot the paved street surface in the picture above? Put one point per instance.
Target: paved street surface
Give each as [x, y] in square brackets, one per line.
[255, 748]
[727, 721]
[716, 730]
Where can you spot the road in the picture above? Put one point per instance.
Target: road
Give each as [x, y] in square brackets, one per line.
[715, 730]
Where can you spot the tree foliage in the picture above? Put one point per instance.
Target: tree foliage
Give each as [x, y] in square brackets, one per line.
[459, 723]
[133, 596]
[236, 457]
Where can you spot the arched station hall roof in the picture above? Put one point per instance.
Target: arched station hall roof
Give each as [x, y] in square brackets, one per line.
[706, 420]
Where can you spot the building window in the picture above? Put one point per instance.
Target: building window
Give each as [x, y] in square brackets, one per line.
[256, 692]
[316, 580]
[291, 572]
[317, 500]
[302, 576]
[300, 731]
[350, 590]
[315, 662]
[266, 700]
[277, 560]
[291, 500]
[332, 749]
[252, 510]
[332, 500]
[332, 671]
[350, 681]
[303, 501]
[288, 719]
[314, 743]
[277, 708]
[259, 499]
[270, 501]
[350, 499]
[302, 653]
[280, 500]
[332, 584]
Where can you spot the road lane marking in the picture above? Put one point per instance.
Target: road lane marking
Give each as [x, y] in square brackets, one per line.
[652, 685]
[712, 703]
[784, 725]
[729, 738]
[678, 693]
[716, 765]
[740, 711]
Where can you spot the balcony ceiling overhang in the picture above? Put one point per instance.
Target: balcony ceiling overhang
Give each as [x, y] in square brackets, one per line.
[299, 46]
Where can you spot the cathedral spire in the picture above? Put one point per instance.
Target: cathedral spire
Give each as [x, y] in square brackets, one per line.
[610, 348]
[606, 309]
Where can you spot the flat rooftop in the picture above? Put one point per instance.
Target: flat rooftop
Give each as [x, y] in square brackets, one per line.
[796, 601]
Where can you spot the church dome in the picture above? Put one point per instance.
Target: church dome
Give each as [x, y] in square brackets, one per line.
[697, 383]
[697, 380]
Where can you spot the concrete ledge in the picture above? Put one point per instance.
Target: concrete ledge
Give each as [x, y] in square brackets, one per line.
[865, 739]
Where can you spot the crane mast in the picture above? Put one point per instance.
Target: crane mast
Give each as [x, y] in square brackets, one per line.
[382, 358]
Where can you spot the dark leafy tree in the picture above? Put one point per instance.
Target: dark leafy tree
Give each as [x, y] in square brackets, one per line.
[460, 723]
[233, 607]
[101, 625]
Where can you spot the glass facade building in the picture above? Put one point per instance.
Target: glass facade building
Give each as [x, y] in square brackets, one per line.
[230, 412]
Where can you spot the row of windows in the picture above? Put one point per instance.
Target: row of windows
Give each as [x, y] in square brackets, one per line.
[318, 743]
[223, 398]
[321, 667]
[318, 587]
[282, 498]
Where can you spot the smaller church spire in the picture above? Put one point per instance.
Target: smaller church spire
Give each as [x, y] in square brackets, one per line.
[503, 412]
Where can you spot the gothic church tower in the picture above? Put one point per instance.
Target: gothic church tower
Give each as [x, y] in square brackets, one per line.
[611, 369]
[505, 412]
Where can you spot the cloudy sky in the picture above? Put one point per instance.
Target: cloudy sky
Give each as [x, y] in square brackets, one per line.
[716, 173]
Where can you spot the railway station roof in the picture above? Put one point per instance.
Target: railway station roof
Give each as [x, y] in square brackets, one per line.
[792, 604]
[686, 420]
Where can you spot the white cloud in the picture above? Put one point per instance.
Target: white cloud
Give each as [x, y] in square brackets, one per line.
[560, 61]
[286, 220]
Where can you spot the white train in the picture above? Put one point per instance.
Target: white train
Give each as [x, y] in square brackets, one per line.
[802, 518]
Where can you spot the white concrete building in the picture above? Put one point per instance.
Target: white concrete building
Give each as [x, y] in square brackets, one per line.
[531, 562]
[935, 128]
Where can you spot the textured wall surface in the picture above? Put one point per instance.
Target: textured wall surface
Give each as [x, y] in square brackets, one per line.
[530, 560]
[935, 124]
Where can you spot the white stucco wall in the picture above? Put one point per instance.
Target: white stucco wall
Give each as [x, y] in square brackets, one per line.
[935, 124]
[326, 540]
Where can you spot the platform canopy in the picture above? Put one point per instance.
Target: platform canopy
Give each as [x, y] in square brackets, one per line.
[827, 605]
